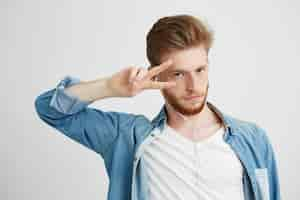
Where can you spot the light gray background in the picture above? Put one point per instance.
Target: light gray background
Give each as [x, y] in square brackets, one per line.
[253, 76]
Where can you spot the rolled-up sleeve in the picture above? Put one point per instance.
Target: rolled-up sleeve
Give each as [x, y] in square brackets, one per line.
[65, 102]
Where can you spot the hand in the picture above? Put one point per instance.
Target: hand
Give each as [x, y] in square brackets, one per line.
[132, 80]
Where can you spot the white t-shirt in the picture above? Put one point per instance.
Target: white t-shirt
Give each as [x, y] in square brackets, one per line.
[181, 169]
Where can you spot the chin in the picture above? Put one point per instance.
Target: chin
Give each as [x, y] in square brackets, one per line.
[190, 110]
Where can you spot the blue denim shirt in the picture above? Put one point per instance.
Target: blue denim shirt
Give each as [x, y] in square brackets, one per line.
[120, 139]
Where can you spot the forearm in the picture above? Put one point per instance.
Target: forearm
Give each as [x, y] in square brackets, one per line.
[92, 90]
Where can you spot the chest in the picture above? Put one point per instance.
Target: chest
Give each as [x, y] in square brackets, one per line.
[196, 134]
[180, 159]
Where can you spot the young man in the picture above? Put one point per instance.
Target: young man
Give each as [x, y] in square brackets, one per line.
[190, 150]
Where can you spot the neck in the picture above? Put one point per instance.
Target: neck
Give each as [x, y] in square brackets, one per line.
[201, 120]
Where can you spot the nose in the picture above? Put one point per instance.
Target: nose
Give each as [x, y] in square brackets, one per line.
[190, 82]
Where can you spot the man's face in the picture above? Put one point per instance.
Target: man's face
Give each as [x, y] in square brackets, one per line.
[190, 72]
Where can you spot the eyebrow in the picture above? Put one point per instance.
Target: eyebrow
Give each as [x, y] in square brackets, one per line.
[182, 70]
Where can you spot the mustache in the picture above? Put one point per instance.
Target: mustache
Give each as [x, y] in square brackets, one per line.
[195, 93]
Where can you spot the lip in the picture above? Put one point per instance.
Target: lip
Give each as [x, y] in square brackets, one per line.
[191, 97]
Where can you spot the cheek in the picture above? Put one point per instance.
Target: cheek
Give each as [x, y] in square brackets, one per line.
[172, 93]
[205, 78]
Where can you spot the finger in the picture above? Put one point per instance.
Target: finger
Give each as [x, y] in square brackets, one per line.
[132, 74]
[159, 85]
[141, 73]
[157, 69]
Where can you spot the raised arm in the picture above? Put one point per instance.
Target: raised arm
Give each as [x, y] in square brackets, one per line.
[91, 127]
[66, 107]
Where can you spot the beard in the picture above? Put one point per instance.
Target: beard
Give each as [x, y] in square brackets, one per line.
[187, 109]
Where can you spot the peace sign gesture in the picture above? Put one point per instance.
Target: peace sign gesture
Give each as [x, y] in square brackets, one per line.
[132, 80]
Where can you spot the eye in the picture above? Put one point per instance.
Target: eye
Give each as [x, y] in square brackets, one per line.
[200, 69]
[177, 74]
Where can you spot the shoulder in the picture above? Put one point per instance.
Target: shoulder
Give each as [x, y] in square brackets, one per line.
[133, 122]
[251, 131]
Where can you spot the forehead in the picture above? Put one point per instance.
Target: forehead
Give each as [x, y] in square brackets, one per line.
[187, 59]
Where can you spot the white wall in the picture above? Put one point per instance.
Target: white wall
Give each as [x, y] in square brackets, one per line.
[254, 70]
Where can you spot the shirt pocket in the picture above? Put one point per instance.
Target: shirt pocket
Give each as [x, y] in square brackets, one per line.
[261, 175]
